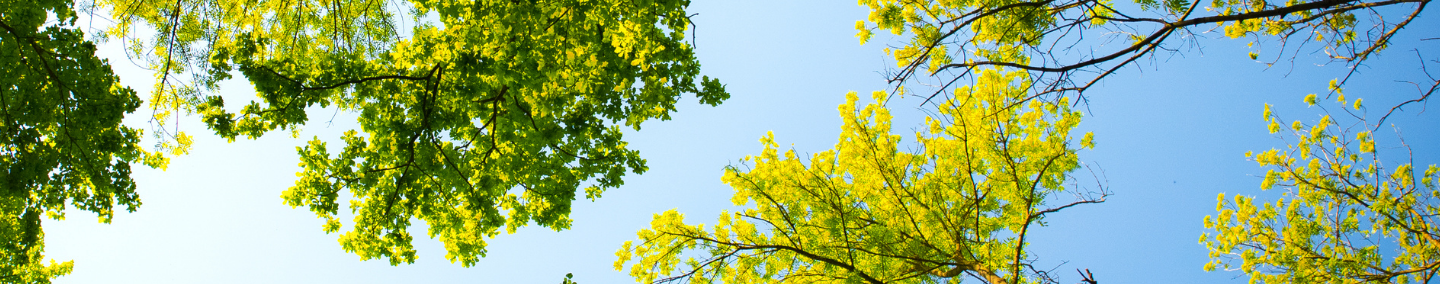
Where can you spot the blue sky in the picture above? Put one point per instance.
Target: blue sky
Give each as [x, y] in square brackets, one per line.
[1170, 135]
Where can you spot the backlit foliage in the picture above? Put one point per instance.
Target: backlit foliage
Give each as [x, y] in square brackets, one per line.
[984, 173]
[1069, 45]
[1345, 215]
[62, 144]
[486, 115]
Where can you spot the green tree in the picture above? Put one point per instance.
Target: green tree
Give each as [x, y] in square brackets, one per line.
[987, 170]
[485, 115]
[61, 140]
[1345, 215]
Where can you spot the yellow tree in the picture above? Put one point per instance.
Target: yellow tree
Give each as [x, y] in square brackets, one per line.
[986, 172]
[1345, 210]
[1070, 45]
[1345, 215]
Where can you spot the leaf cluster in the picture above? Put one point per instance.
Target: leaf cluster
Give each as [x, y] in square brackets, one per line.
[1345, 216]
[1069, 45]
[61, 139]
[484, 115]
[867, 211]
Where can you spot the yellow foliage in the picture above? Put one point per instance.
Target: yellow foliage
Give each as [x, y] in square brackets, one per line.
[868, 211]
[1331, 198]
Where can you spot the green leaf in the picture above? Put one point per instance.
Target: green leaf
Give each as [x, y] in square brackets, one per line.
[487, 116]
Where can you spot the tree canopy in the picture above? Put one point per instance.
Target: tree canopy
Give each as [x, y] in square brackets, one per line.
[987, 169]
[1065, 43]
[478, 116]
[1347, 214]
[485, 115]
[61, 140]
[814, 223]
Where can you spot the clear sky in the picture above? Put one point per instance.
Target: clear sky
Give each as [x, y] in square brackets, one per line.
[1170, 135]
